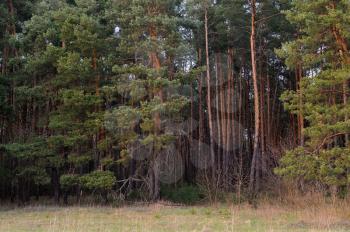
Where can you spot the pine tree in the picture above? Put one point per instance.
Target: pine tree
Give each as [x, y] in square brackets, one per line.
[57, 92]
[149, 42]
[321, 49]
[130, 96]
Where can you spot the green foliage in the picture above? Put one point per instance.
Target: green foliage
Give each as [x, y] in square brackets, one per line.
[186, 194]
[33, 157]
[86, 85]
[68, 181]
[79, 160]
[328, 166]
[295, 164]
[98, 180]
[318, 50]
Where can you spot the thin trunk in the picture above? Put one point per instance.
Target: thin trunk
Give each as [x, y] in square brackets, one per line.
[229, 137]
[268, 101]
[210, 117]
[274, 113]
[262, 120]
[96, 137]
[200, 107]
[56, 184]
[11, 11]
[300, 114]
[217, 107]
[240, 140]
[223, 109]
[254, 173]
[7, 51]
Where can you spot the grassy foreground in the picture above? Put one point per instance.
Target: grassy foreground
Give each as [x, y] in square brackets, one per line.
[158, 217]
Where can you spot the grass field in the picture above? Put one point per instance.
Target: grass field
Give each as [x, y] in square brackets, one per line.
[159, 217]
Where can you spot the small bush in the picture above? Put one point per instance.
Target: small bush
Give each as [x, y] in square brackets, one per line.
[69, 181]
[185, 194]
[98, 180]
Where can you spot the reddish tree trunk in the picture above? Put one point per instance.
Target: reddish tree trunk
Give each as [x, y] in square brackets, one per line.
[256, 161]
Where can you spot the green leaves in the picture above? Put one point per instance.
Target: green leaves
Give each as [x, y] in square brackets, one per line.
[69, 181]
[32, 159]
[98, 180]
[94, 181]
[297, 164]
[322, 96]
[329, 167]
[73, 69]
[79, 160]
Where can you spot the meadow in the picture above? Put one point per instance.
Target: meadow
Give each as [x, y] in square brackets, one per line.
[164, 217]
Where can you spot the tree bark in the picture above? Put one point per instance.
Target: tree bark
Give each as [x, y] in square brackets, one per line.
[254, 181]
[210, 117]
[200, 107]
[299, 74]
[218, 127]
[155, 64]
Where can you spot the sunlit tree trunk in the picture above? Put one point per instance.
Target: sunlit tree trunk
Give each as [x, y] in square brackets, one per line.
[155, 63]
[256, 160]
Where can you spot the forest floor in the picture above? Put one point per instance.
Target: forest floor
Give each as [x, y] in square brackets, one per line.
[159, 217]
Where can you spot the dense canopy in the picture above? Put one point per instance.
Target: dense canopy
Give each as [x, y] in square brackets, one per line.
[178, 99]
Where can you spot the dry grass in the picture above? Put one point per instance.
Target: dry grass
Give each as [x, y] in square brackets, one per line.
[305, 215]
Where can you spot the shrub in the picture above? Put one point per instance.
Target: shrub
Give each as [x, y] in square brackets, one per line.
[98, 180]
[186, 194]
[69, 181]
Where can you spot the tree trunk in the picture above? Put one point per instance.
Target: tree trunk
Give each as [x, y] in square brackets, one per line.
[200, 108]
[210, 117]
[254, 181]
[155, 63]
[55, 180]
[218, 127]
[299, 74]
[229, 118]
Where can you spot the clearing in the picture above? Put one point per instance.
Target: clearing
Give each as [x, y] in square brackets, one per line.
[159, 217]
